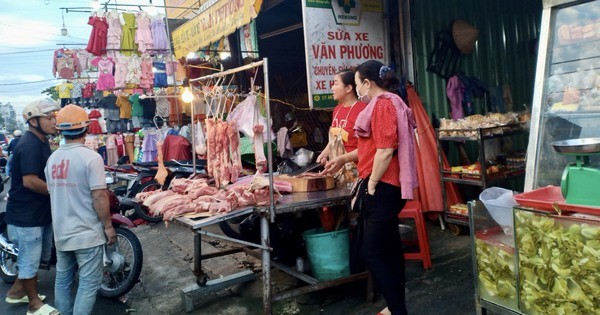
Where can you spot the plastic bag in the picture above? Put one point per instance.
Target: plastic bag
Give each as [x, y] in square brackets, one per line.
[499, 203]
[243, 113]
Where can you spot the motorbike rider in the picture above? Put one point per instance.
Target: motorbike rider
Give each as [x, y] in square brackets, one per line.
[80, 209]
[28, 207]
[11, 147]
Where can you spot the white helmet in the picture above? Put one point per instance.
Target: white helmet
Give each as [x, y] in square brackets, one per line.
[40, 108]
[17, 133]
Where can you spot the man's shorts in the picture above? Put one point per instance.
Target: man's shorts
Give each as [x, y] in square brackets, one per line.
[35, 245]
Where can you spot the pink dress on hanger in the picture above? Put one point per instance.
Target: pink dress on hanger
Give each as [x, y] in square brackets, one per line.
[113, 39]
[121, 68]
[106, 81]
[147, 76]
[143, 35]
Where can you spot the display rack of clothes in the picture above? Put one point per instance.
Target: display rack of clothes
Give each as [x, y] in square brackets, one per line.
[65, 64]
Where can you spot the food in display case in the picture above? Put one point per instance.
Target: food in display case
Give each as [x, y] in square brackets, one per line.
[494, 123]
[559, 259]
[459, 208]
[497, 276]
[569, 107]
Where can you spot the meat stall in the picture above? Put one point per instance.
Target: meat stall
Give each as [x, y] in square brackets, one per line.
[198, 202]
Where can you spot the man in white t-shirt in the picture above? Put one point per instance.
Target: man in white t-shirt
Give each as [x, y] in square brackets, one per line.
[80, 212]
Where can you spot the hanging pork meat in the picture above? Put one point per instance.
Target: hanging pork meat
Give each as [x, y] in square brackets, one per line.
[259, 153]
[234, 147]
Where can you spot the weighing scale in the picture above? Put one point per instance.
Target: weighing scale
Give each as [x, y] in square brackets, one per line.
[580, 181]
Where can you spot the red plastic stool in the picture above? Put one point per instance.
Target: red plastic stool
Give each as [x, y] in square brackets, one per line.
[412, 210]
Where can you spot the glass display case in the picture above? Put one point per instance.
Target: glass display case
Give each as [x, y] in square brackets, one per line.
[546, 264]
[558, 260]
[494, 262]
[566, 102]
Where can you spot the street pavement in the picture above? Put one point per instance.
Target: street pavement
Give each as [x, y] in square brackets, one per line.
[447, 288]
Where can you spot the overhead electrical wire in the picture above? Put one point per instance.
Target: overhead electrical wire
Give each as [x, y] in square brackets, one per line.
[30, 82]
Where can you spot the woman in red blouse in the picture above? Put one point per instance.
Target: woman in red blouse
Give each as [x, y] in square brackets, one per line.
[387, 173]
[341, 132]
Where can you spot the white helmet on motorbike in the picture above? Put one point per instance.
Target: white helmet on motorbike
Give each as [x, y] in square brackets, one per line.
[39, 108]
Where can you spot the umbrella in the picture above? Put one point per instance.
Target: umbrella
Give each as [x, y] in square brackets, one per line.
[428, 170]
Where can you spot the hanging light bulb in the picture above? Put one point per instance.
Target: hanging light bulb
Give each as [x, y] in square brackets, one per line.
[63, 30]
[96, 5]
[187, 96]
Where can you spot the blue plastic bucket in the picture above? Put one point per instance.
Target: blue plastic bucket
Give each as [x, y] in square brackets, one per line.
[328, 253]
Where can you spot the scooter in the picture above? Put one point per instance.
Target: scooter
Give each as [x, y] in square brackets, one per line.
[123, 260]
[145, 182]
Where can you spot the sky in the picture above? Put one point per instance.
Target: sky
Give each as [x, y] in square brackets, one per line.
[29, 33]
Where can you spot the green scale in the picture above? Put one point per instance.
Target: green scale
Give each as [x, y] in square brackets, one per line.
[580, 183]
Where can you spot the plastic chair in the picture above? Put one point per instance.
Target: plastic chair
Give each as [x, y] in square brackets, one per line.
[412, 210]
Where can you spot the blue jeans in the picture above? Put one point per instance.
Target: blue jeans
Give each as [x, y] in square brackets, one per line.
[35, 245]
[89, 263]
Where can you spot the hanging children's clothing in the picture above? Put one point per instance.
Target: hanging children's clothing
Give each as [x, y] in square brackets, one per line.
[112, 155]
[83, 59]
[65, 64]
[76, 93]
[113, 38]
[149, 150]
[111, 112]
[128, 45]
[97, 42]
[64, 93]
[136, 110]
[175, 111]
[124, 110]
[137, 147]
[106, 80]
[134, 70]
[94, 127]
[160, 74]
[91, 142]
[148, 108]
[88, 92]
[147, 78]
[162, 103]
[129, 149]
[121, 68]
[159, 33]
[143, 35]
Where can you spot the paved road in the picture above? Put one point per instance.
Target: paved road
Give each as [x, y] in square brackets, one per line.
[46, 287]
[445, 289]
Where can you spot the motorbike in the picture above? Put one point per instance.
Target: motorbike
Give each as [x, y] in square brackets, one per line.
[123, 260]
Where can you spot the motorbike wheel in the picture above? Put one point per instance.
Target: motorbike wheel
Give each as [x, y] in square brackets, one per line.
[8, 262]
[127, 257]
[143, 211]
[8, 267]
[246, 228]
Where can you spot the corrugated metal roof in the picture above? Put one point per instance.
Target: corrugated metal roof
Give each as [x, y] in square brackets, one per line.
[504, 54]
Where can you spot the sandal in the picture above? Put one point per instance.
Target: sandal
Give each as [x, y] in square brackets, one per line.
[45, 310]
[24, 299]
[384, 311]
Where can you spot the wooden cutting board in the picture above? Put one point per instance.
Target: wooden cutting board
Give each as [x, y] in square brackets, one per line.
[303, 184]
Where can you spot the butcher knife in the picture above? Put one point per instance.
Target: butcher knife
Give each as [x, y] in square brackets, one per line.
[306, 169]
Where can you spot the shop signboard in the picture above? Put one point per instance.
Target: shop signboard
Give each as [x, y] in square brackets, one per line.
[339, 35]
[216, 18]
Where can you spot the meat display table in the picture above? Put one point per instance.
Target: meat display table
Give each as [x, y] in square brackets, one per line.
[290, 203]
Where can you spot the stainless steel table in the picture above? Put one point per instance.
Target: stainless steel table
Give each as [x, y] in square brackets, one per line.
[290, 203]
